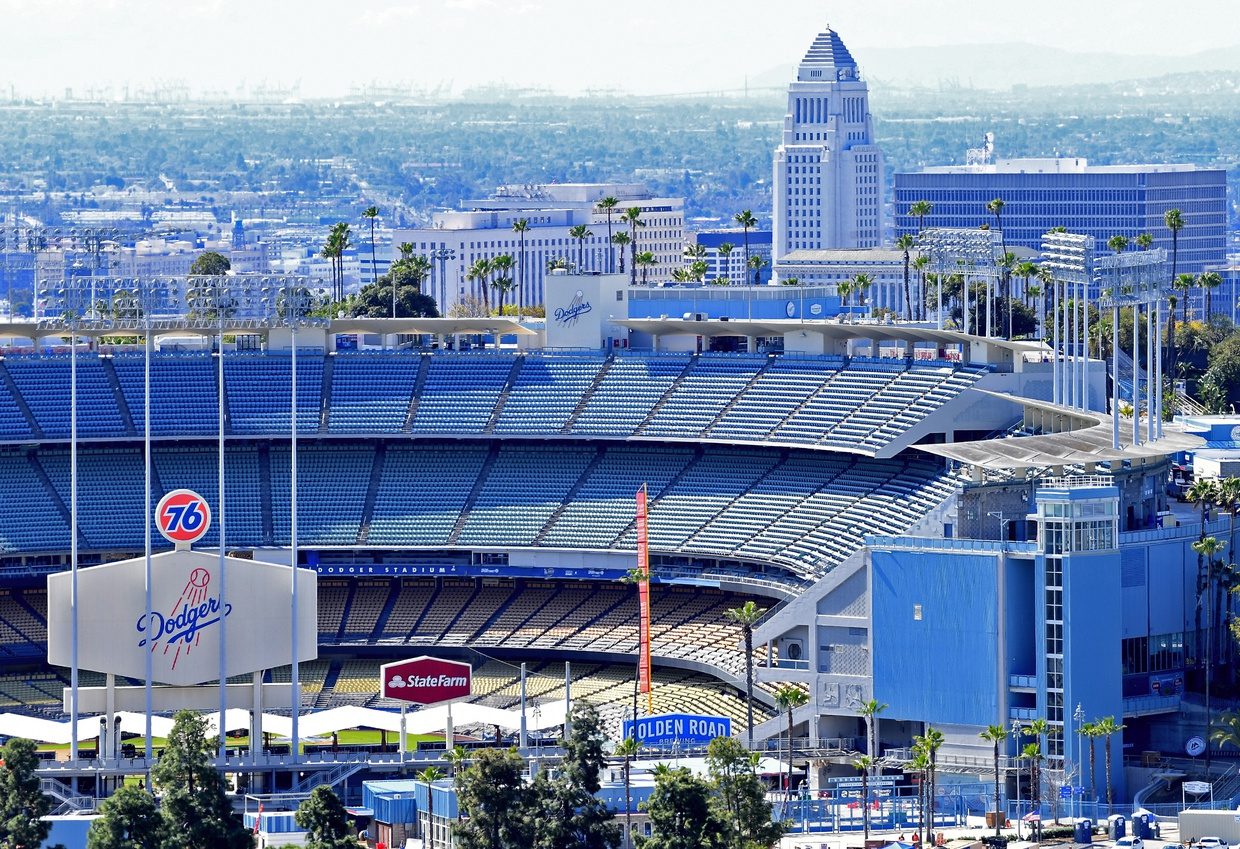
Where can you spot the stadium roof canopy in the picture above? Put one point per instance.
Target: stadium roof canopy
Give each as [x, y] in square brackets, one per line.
[831, 328]
[1085, 438]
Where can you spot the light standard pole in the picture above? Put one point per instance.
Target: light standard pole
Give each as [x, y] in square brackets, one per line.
[443, 255]
[1078, 716]
[1016, 732]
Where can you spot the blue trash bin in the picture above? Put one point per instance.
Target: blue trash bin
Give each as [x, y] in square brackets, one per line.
[1083, 831]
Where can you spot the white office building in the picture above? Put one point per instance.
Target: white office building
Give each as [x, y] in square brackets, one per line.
[828, 171]
[484, 230]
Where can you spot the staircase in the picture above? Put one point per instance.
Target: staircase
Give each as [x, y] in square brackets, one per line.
[52, 494]
[419, 386]
[736, 398]
[381, 622]
[372, 492]
[344, 617]
[264, 485]
[67, 802]
[329, 684]
[588, 394]
[570, 497]
[483, 474]
[503, 396]
[109, 372]
[330, 777]
[671, 390]
[31, 421]
[325, 397]
[698, 452]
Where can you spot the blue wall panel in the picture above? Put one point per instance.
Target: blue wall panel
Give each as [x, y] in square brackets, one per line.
[945, 666]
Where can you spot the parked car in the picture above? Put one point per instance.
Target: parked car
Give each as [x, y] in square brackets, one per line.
[1130, 843]
[1211, 843]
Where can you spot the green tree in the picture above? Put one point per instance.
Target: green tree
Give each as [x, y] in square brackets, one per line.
[681, 813]
[494, 802]
[740, 795]
[522, 226]
[1209, 281]
[1174, 219]
[920, 764]
[995, 735]
[502, 282]
[621, 239]
[921, 263]
[580, 232]
[757, 262]
[480, 273]
[1144, 241]
[326, 822]
[931, 741]
[1208, 548]
[788, 698]
[633, 217]
[1108, 728]
[211, 264]
[745, 218]
[919, 210]
[863, 765]
[371, 214]
[128, 819]
[746, 616]
[608, 206]
[1226, 730]
[397, 294]
[647, 261]
[869, 712]
[430, 775]
[569, 815]
[22, 803]
[1032, 752]
[628, 749]
[905, 244]
[195, 808]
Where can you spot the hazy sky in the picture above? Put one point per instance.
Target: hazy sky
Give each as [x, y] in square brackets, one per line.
[644, 46]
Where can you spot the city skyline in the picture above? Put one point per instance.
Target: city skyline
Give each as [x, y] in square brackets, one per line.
[656, 48]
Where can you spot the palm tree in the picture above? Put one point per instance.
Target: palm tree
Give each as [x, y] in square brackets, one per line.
[581, 232]
[725, 251]
[746, 219]
[864, 764]
[430, 775]
[628, 750]
[608, 205]
[844, 290]
[919, 210]
[905, 243]
[406, 250]
[633, 217]
[1226, 730]
[861, 283]
[1209, 280]
[1108, 728]
[521, 226]
[1089, 731]
[370, 214]
[501, 271]
[1204, 493]
[647, 260]
[420, 267]
[1174, 219]
[457, 758]
[790, 281]
[1208, 548]
[1118, 244]
[747, 615]
[920, 764]
[1144, 241]
[1033, 753]
[621, 239]
[870, 711]
[995, 734]
[757, 262]
[921, 263]
[789, 698]
[930, 742]
[479, 272]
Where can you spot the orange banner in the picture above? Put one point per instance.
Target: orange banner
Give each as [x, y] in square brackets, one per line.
[643, 596]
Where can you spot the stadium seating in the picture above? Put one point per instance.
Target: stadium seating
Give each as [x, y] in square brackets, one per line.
[859, 405]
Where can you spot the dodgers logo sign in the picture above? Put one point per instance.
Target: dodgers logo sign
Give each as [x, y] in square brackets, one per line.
[183, 516]
[578, 307]
[179, 629]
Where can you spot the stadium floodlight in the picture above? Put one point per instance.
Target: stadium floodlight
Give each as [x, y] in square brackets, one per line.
[971, 253]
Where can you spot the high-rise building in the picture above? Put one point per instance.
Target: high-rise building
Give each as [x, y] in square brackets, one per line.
[828, 171]
[1099, 201]
[484, 230]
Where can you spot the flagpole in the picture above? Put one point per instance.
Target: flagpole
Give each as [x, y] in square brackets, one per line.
[291, 306]
[146, 450]
[73, 521]
[220, 298]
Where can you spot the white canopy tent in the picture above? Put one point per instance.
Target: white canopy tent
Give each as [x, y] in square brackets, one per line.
[540, 717]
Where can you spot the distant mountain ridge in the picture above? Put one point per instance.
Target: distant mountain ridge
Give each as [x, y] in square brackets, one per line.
[1001, 66]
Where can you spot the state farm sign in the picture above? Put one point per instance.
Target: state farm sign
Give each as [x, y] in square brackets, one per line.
[426, 680]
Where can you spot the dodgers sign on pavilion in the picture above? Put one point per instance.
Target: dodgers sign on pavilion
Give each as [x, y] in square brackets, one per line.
[182, 634]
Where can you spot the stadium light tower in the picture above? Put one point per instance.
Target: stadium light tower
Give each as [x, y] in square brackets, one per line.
[972, 253]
